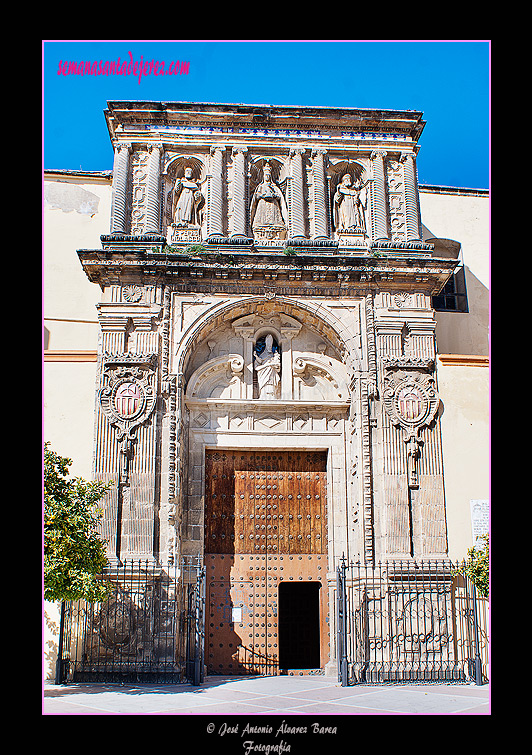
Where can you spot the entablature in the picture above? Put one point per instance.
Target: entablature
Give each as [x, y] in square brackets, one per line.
[249, 272]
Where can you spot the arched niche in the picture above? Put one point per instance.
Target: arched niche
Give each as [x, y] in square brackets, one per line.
[324, 323]
[174, 169]
[310, 357]
[278, 169]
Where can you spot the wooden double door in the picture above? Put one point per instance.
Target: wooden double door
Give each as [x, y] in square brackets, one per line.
[266, 560]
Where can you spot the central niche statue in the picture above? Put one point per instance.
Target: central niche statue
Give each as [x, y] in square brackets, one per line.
[187, 201]
[268, 367]
[268, 211]
[350, 204]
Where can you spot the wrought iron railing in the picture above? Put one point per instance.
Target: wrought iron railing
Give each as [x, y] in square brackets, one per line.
[406, 621]
[150, 629]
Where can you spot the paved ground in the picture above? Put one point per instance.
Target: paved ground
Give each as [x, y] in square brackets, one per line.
[304, 696]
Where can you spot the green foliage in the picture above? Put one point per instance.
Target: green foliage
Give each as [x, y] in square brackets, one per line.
[477, 566]
[290, 251]
[196, 249]
[74, 554]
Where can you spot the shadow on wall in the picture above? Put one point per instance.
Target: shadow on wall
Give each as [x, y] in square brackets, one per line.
[461, 332]
[466, 332]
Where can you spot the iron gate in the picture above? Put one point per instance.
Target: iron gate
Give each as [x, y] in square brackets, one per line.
[403, 621]
[150, 629]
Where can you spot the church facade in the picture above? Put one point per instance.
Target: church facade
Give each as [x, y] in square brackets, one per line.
[267, 388]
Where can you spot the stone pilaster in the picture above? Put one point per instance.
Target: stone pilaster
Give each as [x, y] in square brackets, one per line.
[297, 219]
[413, 231]
[153, 223]
[239, 191]
[120, 175]
[320, 198]
[214, 219]
[380, 226]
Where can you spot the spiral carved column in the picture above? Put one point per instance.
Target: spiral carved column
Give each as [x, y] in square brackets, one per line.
[297, 220]
[380, 226]
[411, 207]
[320, 206]
[214, 222]
[153, 201]
[120, 171]
[239, 191]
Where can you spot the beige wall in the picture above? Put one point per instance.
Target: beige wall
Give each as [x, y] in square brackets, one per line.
[463, 387]
[76, 212]
[464, 393]
[464, 218]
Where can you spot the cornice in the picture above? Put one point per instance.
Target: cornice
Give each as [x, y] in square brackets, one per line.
[463, 360]
[123, 115]
[70, 355]
[240, 271]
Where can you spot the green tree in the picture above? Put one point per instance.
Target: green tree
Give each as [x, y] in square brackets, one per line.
[74, 554]
[477, 566]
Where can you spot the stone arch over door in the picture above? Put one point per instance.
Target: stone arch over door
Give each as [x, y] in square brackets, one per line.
[312, 314]
[217, 408]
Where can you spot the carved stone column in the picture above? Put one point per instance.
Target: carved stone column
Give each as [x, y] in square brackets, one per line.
[239, 191]
[413, 231]
[320, 206]
[153, 223]
[247, 332]
[297, 219]
[380, 226]
[289, 329]
[214, 219]
[120, 174]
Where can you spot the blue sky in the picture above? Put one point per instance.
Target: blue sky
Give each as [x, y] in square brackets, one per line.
[449, 81]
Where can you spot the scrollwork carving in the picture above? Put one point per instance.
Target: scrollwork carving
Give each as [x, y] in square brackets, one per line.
[411, 401]
[128, 397]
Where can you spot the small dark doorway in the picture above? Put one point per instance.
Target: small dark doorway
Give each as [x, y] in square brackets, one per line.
[299, 625]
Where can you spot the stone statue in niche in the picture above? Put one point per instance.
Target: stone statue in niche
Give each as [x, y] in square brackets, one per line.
[349, 205]
[268, 210]
[187, 201]
[268, 367]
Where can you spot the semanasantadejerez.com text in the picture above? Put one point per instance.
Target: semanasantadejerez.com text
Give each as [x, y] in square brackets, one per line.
[123, 68]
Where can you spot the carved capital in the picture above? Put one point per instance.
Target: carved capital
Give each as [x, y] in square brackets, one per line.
[122, 146]
[404, 156]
